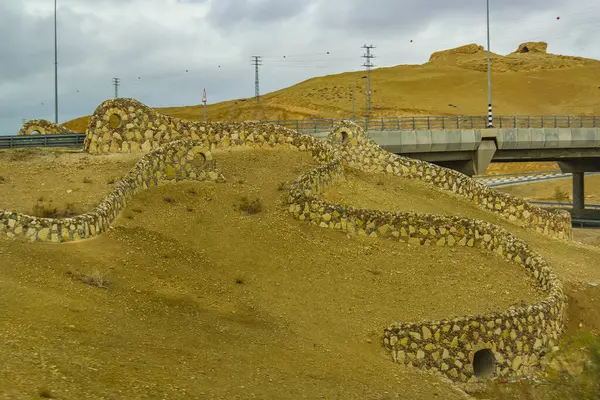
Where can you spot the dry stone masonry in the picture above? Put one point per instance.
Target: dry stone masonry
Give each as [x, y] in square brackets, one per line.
[503, 344]
[42, 127]
[175, 161]
[466, 348]
[361, 152]
[127, 126]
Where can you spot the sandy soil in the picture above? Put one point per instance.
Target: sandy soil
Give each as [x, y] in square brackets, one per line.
[205, 301]
[555, 190]
[34, 180]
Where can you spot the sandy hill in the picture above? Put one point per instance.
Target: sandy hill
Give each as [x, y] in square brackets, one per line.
[527, 81]
[284, 310]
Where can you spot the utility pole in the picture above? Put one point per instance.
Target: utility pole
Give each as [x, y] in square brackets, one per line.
[116, 83]
[368, 64]
[256, 61]
[55, 67]
[490, 115]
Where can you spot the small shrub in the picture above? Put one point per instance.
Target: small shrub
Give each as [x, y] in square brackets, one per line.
[283, 186]
[95, 278]
[168, 199]
[87, 180]
[192, 191]
[42, 210]
[380, 182]
[2, 179]
[250, 206]
[110, 181]
[560, 195]
[137, 210]
[239, 280]
[190, 209]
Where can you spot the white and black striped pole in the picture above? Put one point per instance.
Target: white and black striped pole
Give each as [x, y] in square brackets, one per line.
[490, 115]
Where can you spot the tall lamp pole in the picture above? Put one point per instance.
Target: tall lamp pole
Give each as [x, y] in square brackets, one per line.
[55, 68]
[490, 117]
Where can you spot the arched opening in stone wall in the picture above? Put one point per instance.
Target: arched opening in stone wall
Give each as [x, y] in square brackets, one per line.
[344, 136]
[525, 49]
[114, 121]
[35, 132]
[199, 160]
[484, 364]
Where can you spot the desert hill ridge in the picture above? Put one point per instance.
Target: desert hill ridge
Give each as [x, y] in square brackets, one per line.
[526, 81]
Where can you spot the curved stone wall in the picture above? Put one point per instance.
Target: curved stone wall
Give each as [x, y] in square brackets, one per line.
[361, 152]
[178, 160]
[128, 126]
[42, 127]
[516, 338]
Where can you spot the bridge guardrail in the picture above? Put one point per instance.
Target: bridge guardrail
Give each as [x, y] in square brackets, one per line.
[565, 205]
[444, 122]
[66, 140]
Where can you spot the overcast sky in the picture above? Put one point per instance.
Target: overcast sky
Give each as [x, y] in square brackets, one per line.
[150, 44]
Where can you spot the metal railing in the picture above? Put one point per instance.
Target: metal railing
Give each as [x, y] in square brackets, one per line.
[67, 140]
[402, 123]
[563, 205]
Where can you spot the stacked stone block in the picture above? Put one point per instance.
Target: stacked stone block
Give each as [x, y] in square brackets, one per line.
[175, 161]
[361, 152]
[42, 127]
[517, 338]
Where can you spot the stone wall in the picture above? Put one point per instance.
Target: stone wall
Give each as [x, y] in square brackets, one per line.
[42, 127]
[176, 161]
[128, 126]
[361, 152]
[516, 339]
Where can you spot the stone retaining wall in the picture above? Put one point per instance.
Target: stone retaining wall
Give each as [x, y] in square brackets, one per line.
[176, 161]
[361, 152]
[517, 338]
[42, 127]
[128, 126]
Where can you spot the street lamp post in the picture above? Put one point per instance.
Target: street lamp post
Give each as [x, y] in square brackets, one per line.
[55, 67]
[489, 62]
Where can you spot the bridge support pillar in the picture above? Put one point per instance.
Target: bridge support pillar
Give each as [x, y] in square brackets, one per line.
[578, 192]
[483, 156]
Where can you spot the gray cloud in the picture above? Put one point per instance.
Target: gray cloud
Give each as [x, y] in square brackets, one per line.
[158, 40]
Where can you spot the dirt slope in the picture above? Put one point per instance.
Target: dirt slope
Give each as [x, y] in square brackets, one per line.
[205, 301]
[524, 83]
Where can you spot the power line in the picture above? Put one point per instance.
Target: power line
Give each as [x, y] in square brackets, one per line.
[116, 83]
[368, 64]
[256, 61]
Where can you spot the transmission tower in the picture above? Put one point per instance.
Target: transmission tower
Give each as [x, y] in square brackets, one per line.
[368, 64]
[256, 61]
[116, 83]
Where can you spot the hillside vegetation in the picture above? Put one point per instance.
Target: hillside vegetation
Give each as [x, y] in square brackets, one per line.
[532, 82]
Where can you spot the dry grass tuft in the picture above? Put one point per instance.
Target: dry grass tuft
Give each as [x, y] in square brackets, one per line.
[95, 278]
[43, 210]
[561, 195]
[250, 206]
[87, 180]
